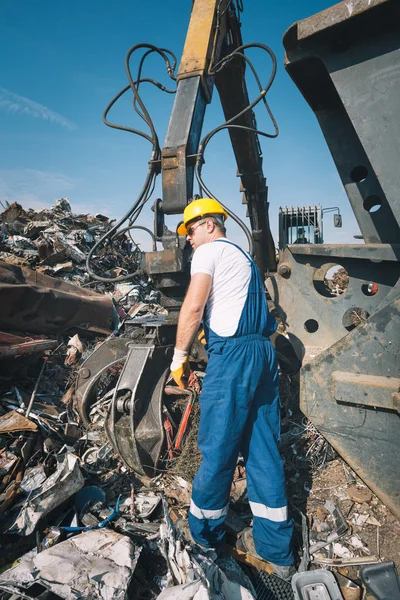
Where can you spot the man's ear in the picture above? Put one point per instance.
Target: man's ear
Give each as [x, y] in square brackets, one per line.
[210, 226]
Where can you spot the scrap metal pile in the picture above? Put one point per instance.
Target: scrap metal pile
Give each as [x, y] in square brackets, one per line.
[55, 242]
[97, 451]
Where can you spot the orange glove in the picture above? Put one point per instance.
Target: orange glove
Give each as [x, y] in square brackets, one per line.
[201, 337]
[180, 368]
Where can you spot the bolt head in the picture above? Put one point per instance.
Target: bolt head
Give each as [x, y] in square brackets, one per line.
[284, 271]
[85, 373]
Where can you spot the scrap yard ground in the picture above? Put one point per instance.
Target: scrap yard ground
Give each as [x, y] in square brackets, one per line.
[59, 471]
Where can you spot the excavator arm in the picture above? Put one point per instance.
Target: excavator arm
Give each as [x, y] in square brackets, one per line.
[213, 34]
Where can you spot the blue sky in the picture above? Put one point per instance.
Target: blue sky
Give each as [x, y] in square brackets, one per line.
[62, 62]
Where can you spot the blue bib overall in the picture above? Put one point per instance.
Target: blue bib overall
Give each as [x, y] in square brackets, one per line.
[239, 412]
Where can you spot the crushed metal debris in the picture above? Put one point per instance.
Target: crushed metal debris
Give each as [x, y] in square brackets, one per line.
[93, 477]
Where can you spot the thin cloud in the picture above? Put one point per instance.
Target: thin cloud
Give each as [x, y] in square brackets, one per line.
[33, 188]
[14, 103]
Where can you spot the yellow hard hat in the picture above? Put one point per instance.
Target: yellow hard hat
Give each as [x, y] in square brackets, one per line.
[200, 208]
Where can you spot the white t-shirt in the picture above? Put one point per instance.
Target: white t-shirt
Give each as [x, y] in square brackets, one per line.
[230, 271]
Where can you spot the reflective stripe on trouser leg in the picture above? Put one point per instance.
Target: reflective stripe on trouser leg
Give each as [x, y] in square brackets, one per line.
[272, 530]
[203, 513]
[266, 512]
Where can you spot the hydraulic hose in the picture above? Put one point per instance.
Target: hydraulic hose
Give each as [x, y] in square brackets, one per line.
[148, 187]
[230, 123]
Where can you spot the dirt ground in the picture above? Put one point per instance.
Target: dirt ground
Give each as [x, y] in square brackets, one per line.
[383, 539]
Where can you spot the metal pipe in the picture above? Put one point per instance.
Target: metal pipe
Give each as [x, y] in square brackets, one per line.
[35, 389]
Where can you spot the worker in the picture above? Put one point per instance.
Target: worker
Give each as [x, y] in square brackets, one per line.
[239, 403]
[301, 237]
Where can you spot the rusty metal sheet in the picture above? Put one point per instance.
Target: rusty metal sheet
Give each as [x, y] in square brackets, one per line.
[38, 303]
[14, 421]
[15, 345]
[24, 275]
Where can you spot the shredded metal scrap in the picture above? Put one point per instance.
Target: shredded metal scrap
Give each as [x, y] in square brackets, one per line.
[94, 564]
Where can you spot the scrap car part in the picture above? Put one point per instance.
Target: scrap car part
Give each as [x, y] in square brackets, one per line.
[345, 62]
[134, 423]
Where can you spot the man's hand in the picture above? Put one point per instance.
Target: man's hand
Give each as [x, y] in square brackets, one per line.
[180, 368]
[188, 325]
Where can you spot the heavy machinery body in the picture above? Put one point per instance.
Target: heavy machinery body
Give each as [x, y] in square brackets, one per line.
[345, 61]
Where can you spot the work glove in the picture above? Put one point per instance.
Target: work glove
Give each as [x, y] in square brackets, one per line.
[201, 337]
[180, 368]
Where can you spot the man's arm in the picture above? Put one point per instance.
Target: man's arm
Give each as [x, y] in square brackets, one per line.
[192, 310]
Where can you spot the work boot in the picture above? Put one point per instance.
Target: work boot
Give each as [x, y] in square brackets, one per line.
[246, 544]
[182, 526]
